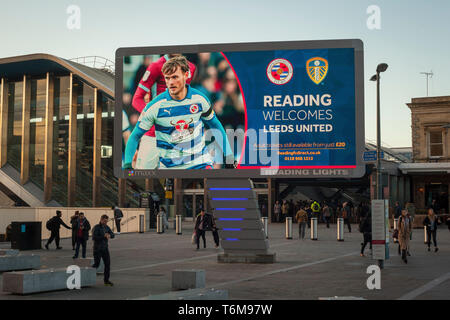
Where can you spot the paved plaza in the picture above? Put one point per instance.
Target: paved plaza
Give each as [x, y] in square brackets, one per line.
[142, 265]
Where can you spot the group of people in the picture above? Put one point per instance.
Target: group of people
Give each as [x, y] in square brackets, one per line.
[305, 210]
[205, 222]
[403, 232]
[101, 233]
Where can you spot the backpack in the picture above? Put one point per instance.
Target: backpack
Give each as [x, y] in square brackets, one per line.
[49, 224]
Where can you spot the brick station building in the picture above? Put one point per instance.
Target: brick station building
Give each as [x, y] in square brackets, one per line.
[430, 169]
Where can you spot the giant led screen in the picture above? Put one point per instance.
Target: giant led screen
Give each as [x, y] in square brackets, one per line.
[291, 109]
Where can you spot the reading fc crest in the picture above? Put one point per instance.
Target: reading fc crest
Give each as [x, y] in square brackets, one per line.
[279, 71]
[317, 69]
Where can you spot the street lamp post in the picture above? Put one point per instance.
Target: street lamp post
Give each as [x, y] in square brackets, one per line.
[382, 67]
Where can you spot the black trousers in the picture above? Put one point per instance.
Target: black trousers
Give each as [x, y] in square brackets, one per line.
[118, 225]
[200, 233]
[327, 219]
[82, 242]
[54, 235]
[216, 237]
[74, 238]
[347, 222]
[431, 234]
[367, 239]
[102, 254]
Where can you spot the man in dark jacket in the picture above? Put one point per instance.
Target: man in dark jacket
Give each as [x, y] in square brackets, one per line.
[82, 227]
[366, 229]
[101, 234]
[202, 224]
[118, 215]
[54, 224]
[73, 223]
[397, 210]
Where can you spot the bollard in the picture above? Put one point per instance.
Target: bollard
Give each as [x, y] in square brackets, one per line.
[141, 223]
[395, 228]
[159, 224]
[179, 227]
[340, 229]
[288, 228]
[265, 222]
[313, 228]
[425, 235]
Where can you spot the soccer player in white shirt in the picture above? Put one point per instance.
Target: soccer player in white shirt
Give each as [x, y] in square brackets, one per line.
[179, 115]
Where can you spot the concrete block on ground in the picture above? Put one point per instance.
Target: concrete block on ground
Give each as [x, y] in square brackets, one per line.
[35, 281]
[9, 252]
[19, 262]
[188, 279]
[88, 263]
[191, 294]
[246, 258]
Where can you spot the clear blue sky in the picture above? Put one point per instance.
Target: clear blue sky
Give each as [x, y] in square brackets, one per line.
[414, 37]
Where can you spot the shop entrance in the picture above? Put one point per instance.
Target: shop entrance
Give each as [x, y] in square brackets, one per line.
[192, 202]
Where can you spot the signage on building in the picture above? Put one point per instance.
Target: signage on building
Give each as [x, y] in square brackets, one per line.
[369, 156]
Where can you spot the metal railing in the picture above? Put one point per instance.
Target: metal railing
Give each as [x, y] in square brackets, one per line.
[96, 62]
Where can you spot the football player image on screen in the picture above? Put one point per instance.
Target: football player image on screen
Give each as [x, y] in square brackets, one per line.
[147, 156]
[179, 115]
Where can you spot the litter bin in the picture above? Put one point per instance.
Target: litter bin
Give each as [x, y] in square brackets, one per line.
[26, 235]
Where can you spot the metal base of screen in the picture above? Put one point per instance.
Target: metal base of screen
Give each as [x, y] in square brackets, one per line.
[246, 258]
[235, 208]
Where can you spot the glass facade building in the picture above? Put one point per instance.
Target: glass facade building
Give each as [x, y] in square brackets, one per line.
[56, 132]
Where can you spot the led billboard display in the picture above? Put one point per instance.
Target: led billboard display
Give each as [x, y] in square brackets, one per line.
[287, 109]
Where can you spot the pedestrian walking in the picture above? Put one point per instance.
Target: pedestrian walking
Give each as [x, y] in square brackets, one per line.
[404, 227]
[302, 219]
[431, 222]
[397, 210]
[73, 222]
[347, 214]
[284, 210]
[277, 211]
[82, 227]
[310, 213]
[53, 225]
[101, 234]
[163, 214]
[118, 215]
[366, 229]
[327, 214]
[215, 232]
[203, 222]
[315, 207]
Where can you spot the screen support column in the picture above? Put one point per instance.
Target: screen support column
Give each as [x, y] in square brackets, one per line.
[235, 208]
